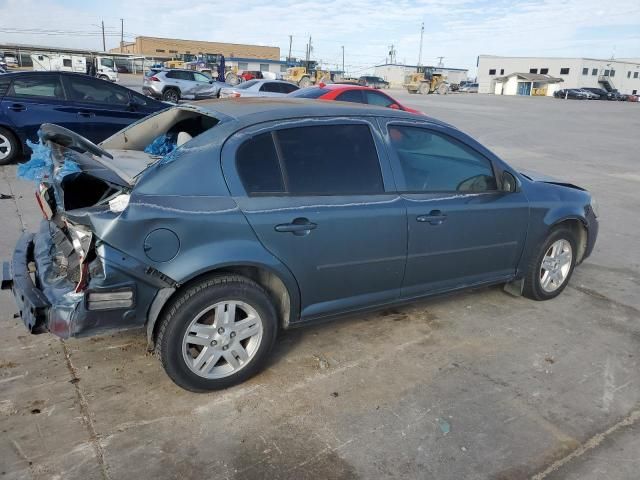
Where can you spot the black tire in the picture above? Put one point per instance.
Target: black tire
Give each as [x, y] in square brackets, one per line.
[9, 146]
[171, 95]
[532, 282]
[193, 300]
[103, 77]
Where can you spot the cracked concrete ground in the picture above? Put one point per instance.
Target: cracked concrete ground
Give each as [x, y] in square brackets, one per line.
[543, 390]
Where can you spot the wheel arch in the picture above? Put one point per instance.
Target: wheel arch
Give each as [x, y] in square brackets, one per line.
[283, 294]
[578, 225]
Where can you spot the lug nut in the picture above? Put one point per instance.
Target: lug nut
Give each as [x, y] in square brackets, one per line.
[233, 334]
[225, 347]
[221, 330]
[213, 343]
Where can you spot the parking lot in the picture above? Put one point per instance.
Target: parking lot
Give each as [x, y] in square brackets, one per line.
[472, 386]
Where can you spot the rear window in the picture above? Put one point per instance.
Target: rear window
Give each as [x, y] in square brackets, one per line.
[310, 92]
[318, 160]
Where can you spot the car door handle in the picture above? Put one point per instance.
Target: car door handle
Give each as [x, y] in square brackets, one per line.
[434, 217]
[86, 114]
[17, 107]
[300, 226]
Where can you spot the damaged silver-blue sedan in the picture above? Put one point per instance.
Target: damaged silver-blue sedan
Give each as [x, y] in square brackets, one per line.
[213, 227]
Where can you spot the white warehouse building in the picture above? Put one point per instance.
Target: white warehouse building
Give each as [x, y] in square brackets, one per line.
[395, 73]
[619, 74]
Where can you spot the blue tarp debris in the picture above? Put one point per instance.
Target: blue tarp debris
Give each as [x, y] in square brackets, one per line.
[162, 145]
[39, 165]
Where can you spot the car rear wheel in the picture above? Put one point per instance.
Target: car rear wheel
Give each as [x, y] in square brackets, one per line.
[103, 77]
[217, 333]
[171, 95]
[9, 146]
[551, 269]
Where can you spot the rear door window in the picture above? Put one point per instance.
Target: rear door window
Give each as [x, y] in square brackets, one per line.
[314, 160]
[287, 87]
[180, 75]
[271, 87]
[37, 87]
[379, 99]
[354, 96]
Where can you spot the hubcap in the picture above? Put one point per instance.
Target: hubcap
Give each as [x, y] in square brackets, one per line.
[222, 339]
[5, 147]
[556, 265]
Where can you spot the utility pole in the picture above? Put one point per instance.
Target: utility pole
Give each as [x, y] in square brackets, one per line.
[121, 34]
[104, 44]
[421, 37]
[440, 62]
[309, 50]
[290, 42]
[343, 59]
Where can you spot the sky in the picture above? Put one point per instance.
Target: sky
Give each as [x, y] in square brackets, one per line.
[458, 30]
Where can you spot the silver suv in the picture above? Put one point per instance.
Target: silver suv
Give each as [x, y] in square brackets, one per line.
[173, 84]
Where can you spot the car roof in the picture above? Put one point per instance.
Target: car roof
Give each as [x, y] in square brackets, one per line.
[252, 110]
[345, 86]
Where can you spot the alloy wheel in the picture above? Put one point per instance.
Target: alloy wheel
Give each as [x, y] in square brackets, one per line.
[556, 265]
[222, 339]
[5, 147]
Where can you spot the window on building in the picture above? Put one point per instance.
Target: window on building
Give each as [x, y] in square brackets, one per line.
[544, 71]
[612, 73]
[264, 67]
[502, 71]
[173, 51]
[492, 71]
[66, 62]
[533, 70]
[564, 71]
[629, 74]
[606, 73]
[283, 68]
[432, 162]
[160, 50]
[594, 72]
[635, 74]
[585, 71]
[634, 92]
[243, 66]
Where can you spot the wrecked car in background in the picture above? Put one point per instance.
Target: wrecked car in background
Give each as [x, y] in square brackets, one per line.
[94, 108]
[268, 214]
[172, 85]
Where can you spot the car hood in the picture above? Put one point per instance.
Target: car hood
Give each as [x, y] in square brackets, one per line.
[541, 177]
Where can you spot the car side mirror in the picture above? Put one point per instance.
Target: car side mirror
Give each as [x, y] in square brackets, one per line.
[211, 82]
[509, 183]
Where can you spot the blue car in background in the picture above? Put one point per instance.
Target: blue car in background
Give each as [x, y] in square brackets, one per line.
[93, 108]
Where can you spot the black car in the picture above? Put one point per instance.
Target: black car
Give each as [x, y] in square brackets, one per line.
[571, 93]
[374, 82]
[94, 108]
[598, 91]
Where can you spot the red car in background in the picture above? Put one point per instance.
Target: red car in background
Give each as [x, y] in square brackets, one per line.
[352, 93]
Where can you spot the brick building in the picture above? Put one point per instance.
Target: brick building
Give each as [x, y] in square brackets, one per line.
[169, 47]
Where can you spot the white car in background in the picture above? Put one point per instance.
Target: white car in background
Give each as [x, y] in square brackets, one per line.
[259, 88]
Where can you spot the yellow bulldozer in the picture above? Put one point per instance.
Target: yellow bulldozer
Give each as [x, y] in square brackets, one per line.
[425, 81]
[303, 78]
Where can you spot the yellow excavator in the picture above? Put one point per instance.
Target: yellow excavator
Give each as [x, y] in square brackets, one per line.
[425, 81]
[303, 78]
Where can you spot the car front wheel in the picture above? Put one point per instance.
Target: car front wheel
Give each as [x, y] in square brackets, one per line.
[217, 333]
[551, 269]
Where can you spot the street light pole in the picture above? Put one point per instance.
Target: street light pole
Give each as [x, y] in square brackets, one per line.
[421, 37]
[342, 59]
